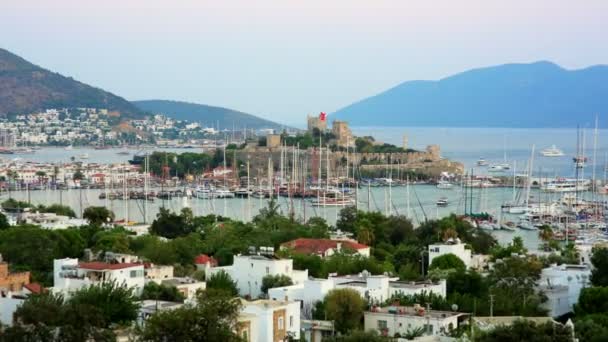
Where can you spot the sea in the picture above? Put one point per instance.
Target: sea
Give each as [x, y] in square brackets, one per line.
[466, 145]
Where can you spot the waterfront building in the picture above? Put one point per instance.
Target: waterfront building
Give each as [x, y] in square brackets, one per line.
[325, 247]
[70, 275]
[392, 320]
[375, 289]
[249, 270]
[269, 320]
[562, 284]
[451, 246]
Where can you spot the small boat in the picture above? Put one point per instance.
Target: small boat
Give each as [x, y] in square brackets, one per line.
[69, 148]
[508, 226]
[482, 162]
[485, 225]
[223, 193]
[445, 185]
[552, 152]
[84, 156]
[526, 225]
[332, 202]
[123, 153]
[442, 202]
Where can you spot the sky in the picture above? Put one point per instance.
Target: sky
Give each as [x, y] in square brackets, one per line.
[283, 59]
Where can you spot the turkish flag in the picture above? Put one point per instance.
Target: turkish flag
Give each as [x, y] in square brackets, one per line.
[322, 116]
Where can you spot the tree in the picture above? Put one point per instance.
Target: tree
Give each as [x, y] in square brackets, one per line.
[599, 274]
[345, 308]
[4, 222]
[156, 291]
[272, 281]
[98, 215]
[171, 225]
[213, 318]
[525, 330]
[448, 262]
[588, 330]
[59, 210]
[117, 303]
[592, 300]
[222, 281]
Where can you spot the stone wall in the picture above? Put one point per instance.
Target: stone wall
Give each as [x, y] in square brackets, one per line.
[12, 281]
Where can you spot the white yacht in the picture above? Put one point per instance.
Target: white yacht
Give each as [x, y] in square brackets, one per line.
[445, 185]
[482, 162]
[566, 185]
[552, 151]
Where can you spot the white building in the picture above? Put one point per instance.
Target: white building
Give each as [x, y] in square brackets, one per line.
[455, 247]
[186, 286]
[249, 270]
[373, 288]
[399, 319]
[269, 320]
[563, 284]
[69, 275]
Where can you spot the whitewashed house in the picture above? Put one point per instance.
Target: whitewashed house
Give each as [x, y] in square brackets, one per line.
[391, 320]
[452, 246]
[269, 320]
[249, 270]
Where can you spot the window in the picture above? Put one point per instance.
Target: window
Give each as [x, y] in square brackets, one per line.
[280, 323]
[291, 321]
[381, 325]
[267, 270]
[429, 328]
[251, 265]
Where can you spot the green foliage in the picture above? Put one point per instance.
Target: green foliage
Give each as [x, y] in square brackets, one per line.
[34, 249]
[345, 308]
[171, 225]
[12, 205]
[592, 300]
[448, 262]
[515, 247]
[599, 274]
[523, 330]
[57, 209]
[98, 215]
[366, 145]
[272, 281]
[4, 222]
[222, 281]
[87, 315]
[591, 329]
[155, 291]
[213, 318]
[358, 336]
[116, 303]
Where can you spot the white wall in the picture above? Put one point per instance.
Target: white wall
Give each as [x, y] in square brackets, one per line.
[457, 249]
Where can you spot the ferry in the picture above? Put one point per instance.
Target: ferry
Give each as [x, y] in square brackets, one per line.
[566, 185]
[552, 152]
[333, 202]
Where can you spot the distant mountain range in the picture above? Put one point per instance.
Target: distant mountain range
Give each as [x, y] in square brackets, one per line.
[540, 94]
[208, 115]
[25, 88]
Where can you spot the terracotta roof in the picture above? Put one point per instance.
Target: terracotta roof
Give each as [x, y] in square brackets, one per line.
[319, 246]
[34, 287]
[100, 266]
[204, 259]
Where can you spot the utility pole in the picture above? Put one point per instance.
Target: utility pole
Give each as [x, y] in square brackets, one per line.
[491, 305]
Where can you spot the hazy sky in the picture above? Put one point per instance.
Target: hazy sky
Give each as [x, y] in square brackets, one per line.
[282, 59]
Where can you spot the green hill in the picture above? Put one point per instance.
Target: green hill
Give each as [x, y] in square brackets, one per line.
[25, 88]
[207, 115]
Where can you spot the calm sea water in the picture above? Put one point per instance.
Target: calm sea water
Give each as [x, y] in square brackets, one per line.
[493, 144]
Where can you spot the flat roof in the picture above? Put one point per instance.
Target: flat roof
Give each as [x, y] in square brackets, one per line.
[411, 312]
[102, 266]
[410, 285]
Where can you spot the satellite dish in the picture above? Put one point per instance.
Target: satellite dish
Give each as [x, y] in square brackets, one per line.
[454, 307]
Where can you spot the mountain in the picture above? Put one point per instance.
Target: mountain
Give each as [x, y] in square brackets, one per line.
[540, 94]
[25, 87]
[207, 115]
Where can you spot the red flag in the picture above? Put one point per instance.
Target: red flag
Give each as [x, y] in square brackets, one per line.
[322, 116]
